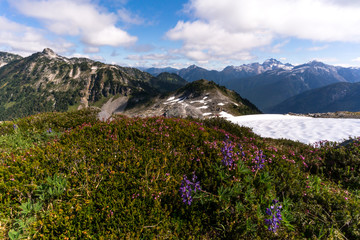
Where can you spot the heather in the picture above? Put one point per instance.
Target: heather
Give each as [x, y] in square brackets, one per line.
[69, 176]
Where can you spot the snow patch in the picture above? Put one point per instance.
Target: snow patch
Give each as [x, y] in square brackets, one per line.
[207, 114]
[198, 101]
[203, 107]
[221, 104]
[170, 98]
[304, 129]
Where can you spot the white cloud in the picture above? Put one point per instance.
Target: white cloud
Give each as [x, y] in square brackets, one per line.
[318, 48]
[203, 41]
[91, 50]
[127, 17]
[356, 59]
[77, 18]
[25, 40]
[154, 56]
[326, 60]
[93, 57]
[277, 47]
[232, 28]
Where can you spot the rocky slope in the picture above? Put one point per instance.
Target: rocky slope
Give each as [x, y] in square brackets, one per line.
[46, 81]
[6, 58]
[199, 99]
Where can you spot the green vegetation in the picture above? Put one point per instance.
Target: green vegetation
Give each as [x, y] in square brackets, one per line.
[69, 176]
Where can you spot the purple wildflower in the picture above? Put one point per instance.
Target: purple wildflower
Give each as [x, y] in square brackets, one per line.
[259, 160]
[275, 216]
[227, 152]
[188, 187]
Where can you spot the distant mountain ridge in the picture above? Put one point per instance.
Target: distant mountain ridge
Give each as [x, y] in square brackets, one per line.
[193, 72]
[272, 82]
[342, 96]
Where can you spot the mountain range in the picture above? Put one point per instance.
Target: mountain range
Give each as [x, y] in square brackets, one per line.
[46, 81]
[342, 96]
[272, 82]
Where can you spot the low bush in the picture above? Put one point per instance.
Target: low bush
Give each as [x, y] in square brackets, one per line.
[135, 178]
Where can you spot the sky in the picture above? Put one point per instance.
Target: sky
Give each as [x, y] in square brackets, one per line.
[177, 33]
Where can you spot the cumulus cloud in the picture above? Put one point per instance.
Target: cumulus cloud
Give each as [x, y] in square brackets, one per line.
[25, 40]
[203, 40]
[77, 18]
[232, 28]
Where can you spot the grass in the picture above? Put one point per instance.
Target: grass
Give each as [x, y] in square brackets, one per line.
[121, 180]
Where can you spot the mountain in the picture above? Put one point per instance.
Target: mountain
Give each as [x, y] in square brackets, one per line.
[331, 98]
[46, 81]
[248, 70]
[272, 82]
[166, 82]
[273, 87]
[193, 72]
[6, 58]
[157, 71]
[199, 99]
[350, 74]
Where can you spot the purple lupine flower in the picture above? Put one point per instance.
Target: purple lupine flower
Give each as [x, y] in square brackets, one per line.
[49, 130]
[275, 216]
[188, 187]
[260, 160]
[227, 152]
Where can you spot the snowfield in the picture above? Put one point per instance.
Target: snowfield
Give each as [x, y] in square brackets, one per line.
[304, 129]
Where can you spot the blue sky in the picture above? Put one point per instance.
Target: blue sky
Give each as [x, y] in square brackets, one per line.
[209, 33]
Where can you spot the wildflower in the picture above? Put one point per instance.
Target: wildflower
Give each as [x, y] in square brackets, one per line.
[15, 127]
[259, 160]
[188, 187]
[275, 216]
[49, 130]
[227, 152]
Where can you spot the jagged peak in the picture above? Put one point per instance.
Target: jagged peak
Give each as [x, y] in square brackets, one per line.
[192, 67]
[49, 53]
[271, 60]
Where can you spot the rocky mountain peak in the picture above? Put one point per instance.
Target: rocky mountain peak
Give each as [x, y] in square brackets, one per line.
[272, 61]
[49, 52]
